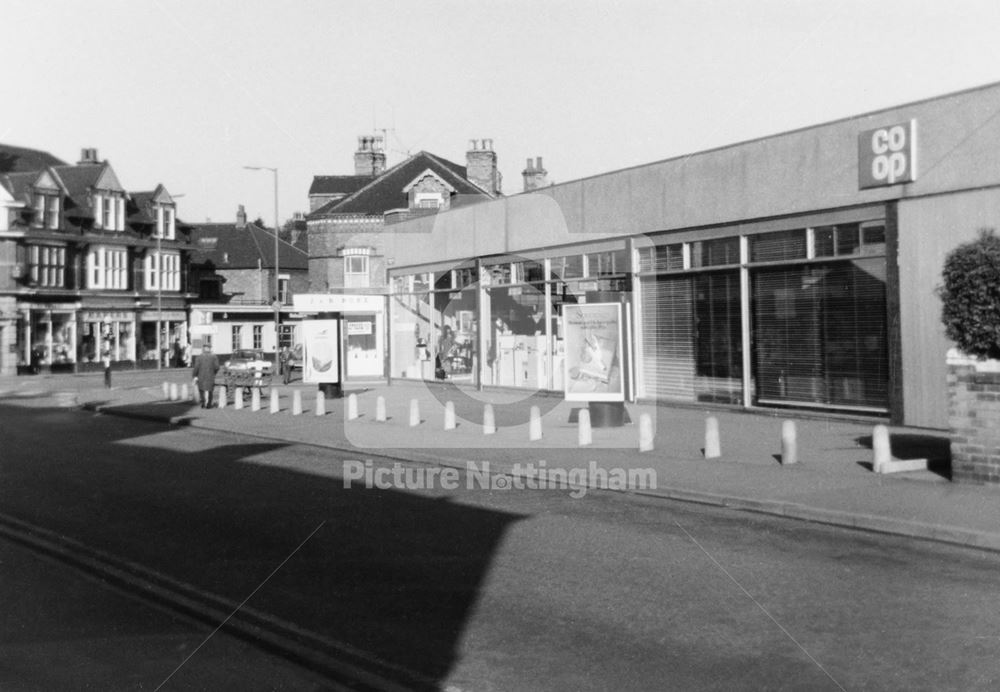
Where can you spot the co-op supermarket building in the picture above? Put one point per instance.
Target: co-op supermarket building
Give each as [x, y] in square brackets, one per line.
[797, 270]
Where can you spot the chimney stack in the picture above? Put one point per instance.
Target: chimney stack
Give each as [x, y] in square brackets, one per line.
[241, 217]
[481, 166]
[535, 175]
[87, 156]
[369, 159]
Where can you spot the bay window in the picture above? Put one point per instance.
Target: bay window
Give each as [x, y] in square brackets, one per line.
[162, 271]
[107, 267]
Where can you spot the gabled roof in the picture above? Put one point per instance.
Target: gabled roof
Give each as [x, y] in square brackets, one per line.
[386, 192]
[21, 159]
[338, 184]
[229, 247]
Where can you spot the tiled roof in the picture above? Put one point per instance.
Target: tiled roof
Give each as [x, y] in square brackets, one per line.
[18, 184]
[338, 184]
[241, 248]
[386, 192]
[21, 159]
[78, 179]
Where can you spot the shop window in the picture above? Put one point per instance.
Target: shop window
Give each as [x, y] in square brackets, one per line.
[831, 241]
[527, 271]
[662, 258]
[466, 276]
[779, 246]
[569, 267]
[607, 263]
[714, 253]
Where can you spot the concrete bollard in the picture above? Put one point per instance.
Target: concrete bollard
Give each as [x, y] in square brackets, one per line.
[275, 401]
[166, 390]
[185, 393]
[489, 422]
[255, 398]
[220, 397]
[174, 395]
[789, 443]
[380, 416]
[645, 432]
[535, 424]
[881, 448]
[712, 447]
[584, 434]
[414, 413]
[352, 406]
[238, 398]
[297, 403]
[449, 416]
[320, 403]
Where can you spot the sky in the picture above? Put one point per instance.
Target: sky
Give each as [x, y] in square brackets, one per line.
[185, 93]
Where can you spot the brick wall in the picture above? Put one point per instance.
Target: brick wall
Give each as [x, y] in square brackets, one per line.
[974, 419]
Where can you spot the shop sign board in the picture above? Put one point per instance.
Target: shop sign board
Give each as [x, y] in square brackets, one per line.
[592, 335]
[887, 155]
[320, 351]
[338, 302]
[362, 328]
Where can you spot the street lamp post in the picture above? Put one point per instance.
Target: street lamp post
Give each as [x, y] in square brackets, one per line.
[277, 294]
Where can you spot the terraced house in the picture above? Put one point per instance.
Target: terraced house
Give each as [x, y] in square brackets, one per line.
[87, 267]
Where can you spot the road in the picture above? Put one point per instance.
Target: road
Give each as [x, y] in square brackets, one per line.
[470, 589]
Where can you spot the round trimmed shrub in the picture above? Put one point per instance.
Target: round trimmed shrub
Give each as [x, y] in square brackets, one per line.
[971, 296]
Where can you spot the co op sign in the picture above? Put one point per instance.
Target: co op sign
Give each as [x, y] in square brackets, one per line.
[887, 155]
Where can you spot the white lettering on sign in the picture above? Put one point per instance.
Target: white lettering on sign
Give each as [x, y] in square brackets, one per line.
[887, 155]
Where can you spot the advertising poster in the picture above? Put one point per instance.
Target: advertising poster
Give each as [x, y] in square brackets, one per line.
[592, 334]
[320, 349]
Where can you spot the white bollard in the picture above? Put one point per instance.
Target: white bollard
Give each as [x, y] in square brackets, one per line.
[489, 422]
[185, 394]
[166, 390]
[449, 416]
[255, 398]
[173, 391]
[380, 409]
[297, 403]
[789, 443]
[645, 432]
[352, 406]
[535, 424]
[275, 401]
[881, 448]
[414, 413]
[238, 398]
[320, 403]
[220, 399]
[584, 435]
[712, 446]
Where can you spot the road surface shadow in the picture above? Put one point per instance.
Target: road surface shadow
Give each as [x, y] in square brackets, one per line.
[388, 576]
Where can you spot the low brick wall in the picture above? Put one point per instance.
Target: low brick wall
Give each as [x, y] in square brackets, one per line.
[974, 418]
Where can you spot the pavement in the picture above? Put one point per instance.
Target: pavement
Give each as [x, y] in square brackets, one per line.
[832, 481]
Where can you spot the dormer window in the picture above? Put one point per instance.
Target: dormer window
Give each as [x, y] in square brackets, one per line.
[109, 211]
[428, 200]
[166, 223]
[46, 210]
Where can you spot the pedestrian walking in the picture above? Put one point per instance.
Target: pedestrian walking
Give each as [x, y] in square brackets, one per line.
[106, 360]
[206, 366]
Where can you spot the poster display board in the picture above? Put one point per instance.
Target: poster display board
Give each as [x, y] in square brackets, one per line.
[320, 351]
[592, 335]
